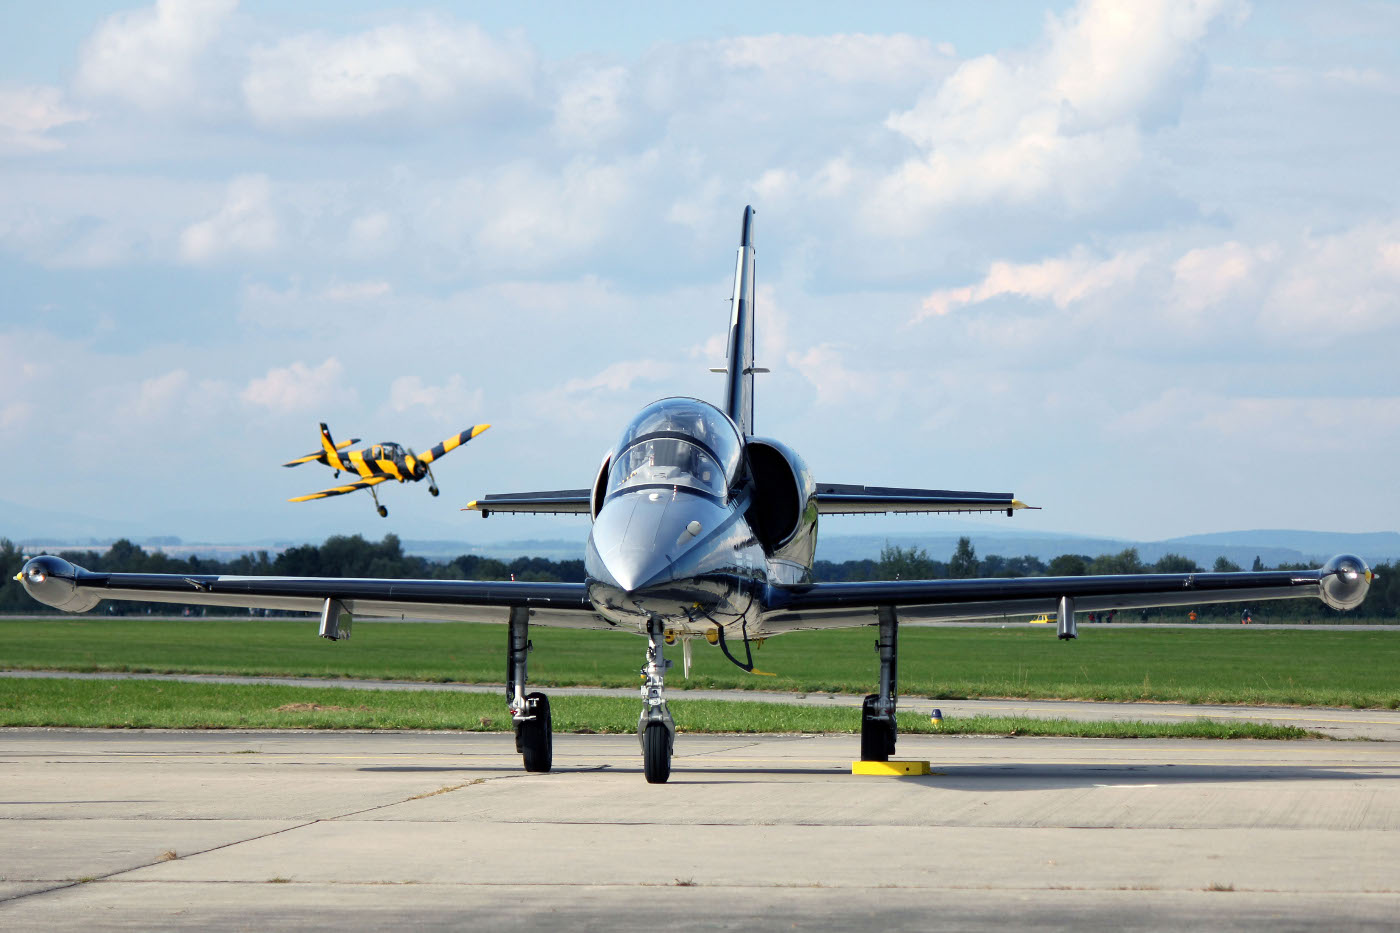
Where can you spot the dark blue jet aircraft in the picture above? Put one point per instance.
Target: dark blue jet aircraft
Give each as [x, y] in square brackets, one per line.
[703, 530]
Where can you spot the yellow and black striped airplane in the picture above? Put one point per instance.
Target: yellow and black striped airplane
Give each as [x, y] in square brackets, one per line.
[379, 463]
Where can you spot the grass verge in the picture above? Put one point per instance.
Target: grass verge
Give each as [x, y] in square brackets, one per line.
[1248, 666]
[165, 705]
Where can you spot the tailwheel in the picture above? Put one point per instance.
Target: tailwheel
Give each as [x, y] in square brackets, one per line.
[383, 512]
[876, 735]
[656, 753]
[534, 737]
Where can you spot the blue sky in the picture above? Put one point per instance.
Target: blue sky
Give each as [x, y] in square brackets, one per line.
[1137, 264]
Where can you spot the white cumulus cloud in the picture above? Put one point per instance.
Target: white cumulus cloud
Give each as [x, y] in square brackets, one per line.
[1060, 280]
[412, 72]
[590, 108]
[152, 57]
[1062, 122]
[28, 113]
[297, 387]
[452, 398]
[245, 224]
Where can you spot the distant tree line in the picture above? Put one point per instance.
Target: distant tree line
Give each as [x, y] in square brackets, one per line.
[353, 556]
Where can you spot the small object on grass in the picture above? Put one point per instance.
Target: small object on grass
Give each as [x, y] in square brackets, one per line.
[936, 717]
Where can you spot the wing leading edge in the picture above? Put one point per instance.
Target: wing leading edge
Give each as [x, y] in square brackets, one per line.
[553, 501]
[844, 499]
[55, 582]
[1341, 583]
[341, 490]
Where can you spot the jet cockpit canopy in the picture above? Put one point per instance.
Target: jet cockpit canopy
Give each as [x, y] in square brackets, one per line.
[680, 442]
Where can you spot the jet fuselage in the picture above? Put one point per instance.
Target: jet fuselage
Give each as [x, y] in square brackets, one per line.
[672, 538]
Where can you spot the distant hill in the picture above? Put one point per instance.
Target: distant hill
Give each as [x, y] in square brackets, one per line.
[1271, 547]
[1375, 545]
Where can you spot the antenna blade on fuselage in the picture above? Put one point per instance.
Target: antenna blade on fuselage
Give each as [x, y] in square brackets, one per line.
[738, 395]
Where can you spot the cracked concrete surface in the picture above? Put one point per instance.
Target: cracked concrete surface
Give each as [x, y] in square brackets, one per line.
[364, 830]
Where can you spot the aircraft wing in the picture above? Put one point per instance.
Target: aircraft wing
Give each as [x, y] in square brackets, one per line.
[320, 454]
[844, 499]
[55, 582]
[453, 442]
[556, 501]
[1341, 583]
[342, 490]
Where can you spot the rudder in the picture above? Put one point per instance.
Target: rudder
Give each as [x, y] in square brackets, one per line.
[738, 396]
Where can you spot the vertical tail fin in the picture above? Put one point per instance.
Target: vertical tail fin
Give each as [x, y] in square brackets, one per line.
[329, 455]
[738, 395]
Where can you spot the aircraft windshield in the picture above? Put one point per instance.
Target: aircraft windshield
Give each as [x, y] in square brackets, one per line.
[677, 442]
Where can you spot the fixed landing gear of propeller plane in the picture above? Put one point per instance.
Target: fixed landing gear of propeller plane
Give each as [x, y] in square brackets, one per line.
[878, 728]
[432, 490]
[534, 726]
[655, 728]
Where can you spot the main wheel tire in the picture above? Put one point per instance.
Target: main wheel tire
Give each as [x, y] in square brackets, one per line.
[432, 490]
[656, 753]
[383, 512]
[535, 737]
[876, 735]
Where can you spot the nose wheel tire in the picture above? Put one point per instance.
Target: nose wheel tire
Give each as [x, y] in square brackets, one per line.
[535, 737]
[876, 735]
[656, 753]
[383, 512]
[432, 490]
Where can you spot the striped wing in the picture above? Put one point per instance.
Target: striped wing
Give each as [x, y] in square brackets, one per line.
[320, 454]
[453, 442]
[342, 490]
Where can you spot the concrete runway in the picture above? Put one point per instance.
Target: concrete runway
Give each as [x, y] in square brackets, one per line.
[228, 831]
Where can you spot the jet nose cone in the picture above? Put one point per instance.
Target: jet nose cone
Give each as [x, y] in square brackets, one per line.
[636, 570]
[642, 540]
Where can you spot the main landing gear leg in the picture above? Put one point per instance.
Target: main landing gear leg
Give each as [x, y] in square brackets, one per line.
[432, 482]
[877, 725]
[534, 728]
[655, 728]
[383, 512]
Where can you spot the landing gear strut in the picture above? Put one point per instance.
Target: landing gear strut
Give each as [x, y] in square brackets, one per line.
[383, 512]
[877, 721]
[534, 727]
[655, 728]
[432, 482]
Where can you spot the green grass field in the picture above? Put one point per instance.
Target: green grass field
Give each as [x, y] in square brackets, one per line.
[1250, 666]
[173, 705]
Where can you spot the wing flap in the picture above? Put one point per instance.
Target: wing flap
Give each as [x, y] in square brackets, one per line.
[341, 490]
[847, 499]
[557, 501]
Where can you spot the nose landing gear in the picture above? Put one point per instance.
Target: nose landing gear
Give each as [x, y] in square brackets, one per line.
[655, 728]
